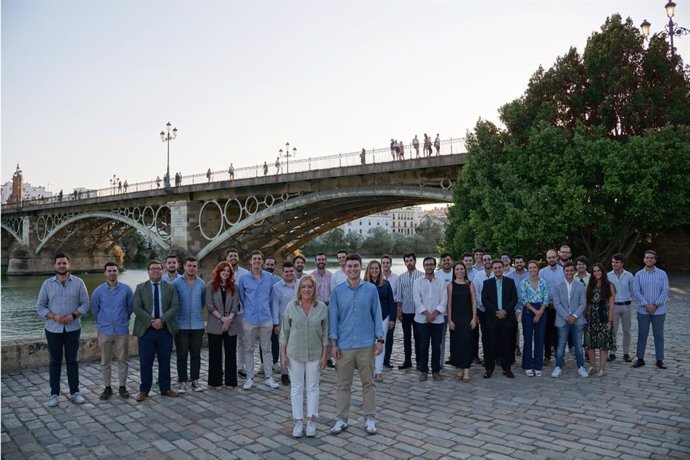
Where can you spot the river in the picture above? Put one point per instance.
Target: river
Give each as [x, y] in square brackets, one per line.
[18, 296]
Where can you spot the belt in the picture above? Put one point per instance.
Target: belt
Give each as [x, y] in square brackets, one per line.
[627, 302]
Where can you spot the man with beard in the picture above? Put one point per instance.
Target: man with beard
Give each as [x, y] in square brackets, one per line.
[323, 278]
[232, 256]
[392, 278]
[552, 275]
[61, 301]
[445, 272]
[283, 294]
[339, 276]
[406, 308]
[298, 261]
[518, 274]
[171, 267]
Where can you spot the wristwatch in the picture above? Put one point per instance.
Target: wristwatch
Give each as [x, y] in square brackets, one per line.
[380, 340]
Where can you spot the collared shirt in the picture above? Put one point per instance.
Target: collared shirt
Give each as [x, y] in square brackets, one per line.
[430, 295]
[239, 273]
[283, 294]
[323, 291]
[478, 282]
[62, 299]
[192, 300]
[447, 277]
[168, 279]
[255, 295]
[393, 279]
[475, 269]
[499, 293]
[624, 285]
[518, 278]
[404, 294]
[651, 288]
[338, 277]
[569, 286]
[552, 276]
[355, 315]
[112, 307]
[583, 279]
[531, 295]
[304, 336]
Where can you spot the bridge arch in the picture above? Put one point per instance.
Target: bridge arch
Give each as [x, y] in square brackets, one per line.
[106, 216]
[394, 194]
[12, 233]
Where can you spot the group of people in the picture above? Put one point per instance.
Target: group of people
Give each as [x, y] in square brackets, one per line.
[307, 322]
[398, 147]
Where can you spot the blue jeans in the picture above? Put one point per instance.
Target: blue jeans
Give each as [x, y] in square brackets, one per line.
[67, 342]
[657, 322]
[155, 344]
[533, 333]
[575, 331]
[429, 332]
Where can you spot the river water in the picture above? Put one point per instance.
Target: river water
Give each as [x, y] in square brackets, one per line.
[18, 296]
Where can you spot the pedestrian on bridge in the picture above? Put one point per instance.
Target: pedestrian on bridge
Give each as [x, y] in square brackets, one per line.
[363, 157]
[265, 168]
[277, 165]
[208, 174]
[415, 144]
[231, 171]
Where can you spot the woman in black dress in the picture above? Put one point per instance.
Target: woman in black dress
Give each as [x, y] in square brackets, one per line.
[462, 319]
[599, 333]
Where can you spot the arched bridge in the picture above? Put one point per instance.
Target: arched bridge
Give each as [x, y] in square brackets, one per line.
[275, 213]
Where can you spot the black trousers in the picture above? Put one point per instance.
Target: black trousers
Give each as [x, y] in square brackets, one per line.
[409, 331]
[188, 342]
[217, 345]
[550, 332]
[389, 347]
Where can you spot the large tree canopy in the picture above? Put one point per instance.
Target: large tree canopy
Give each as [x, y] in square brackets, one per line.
[596, 154]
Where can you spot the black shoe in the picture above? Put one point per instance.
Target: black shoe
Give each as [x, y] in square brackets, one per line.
[611, 357]
[488, 374]
[449, 362]
[242, 373]
[405, 365]
[107, 393]
[330, 362]
[508, 373]
[638, 363]
[627, 358]
[124, 394]
[478, 361]
[388, 365]
[660, 364]
[285, 379]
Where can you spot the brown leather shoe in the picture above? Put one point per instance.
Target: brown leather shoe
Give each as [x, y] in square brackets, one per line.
[437, 376]
[171, 393]
[141, 396]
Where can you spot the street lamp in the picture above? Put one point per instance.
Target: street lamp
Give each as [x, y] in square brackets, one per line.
[287, 155]
[167, 137]
[672, 28]
[114, 182]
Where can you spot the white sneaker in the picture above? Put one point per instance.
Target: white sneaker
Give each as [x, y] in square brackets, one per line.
[248, 384]
[556, 372]
[529, 373]
[181, 387]
[537, 373]
[370, 426]
[53, 401]
[311, 429]
[271, 383]
[76, 398]
[339, 426]
[582, 372]
[196, 386]
[297, 430]
[600, 373]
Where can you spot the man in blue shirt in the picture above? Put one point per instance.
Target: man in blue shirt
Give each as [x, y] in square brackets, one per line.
[61, 301]
[356, 336]
[283, 294]
[552, 275]
[651, 292]
[191, 292]
[111, 303]
[256, 291]
[623, 280]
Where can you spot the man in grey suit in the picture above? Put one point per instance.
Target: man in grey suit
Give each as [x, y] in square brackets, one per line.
[155, 305]
[569, 300]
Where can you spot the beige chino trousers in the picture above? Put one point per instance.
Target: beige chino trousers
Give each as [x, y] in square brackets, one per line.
[361, 359]
[119, 346]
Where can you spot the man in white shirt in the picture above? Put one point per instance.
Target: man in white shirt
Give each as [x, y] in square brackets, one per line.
[484, 274]
[392, 278]
[430, 301]
[339, 276]
[518, 274]
[622, 308]
[406, 309]
[446, 274]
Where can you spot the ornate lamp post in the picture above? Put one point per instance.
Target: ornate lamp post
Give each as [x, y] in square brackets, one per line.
[672, 28]
[287, 155]
[167, 137]
[114, 182]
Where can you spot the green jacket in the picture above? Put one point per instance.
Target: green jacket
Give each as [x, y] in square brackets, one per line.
[142, 303]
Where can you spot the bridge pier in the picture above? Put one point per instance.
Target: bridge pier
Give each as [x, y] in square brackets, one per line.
[23, 261]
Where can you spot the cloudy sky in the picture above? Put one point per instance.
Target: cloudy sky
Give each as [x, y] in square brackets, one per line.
[87, 85]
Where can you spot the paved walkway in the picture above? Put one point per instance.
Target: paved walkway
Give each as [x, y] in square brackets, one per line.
[629, 413]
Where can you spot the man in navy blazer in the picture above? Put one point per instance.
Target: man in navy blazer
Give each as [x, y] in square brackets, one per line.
[499, 297]
[569, 300]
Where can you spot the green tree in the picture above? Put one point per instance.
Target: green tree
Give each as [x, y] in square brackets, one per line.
[595, 154]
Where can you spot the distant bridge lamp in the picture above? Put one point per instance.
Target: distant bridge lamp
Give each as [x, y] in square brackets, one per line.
[167, 137]
[672, 28]
[287, 155]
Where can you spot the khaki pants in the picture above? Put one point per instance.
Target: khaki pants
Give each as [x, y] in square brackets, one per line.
[363, 360]
[119, 345]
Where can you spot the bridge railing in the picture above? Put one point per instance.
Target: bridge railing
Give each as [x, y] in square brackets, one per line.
[298, 164]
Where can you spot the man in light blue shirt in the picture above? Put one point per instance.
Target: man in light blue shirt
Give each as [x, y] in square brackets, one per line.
[518, 274]
[622, 309]
[171, 267]
[552, 275]
[356, 336]
[111, 304]
[256, 291]
[283, 294]
[651, 290]
[61, 301]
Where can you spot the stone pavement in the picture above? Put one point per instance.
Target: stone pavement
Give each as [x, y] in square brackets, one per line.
[629, 413]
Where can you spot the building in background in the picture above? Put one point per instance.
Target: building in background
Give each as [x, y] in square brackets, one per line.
[402, 220]
[18, 191]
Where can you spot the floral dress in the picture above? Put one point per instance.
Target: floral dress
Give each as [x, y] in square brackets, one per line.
[597, 336]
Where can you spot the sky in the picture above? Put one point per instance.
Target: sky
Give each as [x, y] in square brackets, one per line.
[87, 85]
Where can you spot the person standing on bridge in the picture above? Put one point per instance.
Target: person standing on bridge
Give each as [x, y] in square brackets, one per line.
[437, 144]
[415, 144]
[278, 165]
[427, 145]
[111, 304]
[191, 292]
[231, 171]
[208, 174]
[393, 148]
[61, 301]
[265, 168]
[363, 157]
